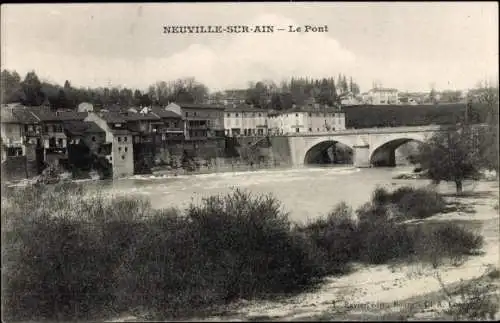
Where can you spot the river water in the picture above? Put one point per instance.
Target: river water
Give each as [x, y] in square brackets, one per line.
[305, 193]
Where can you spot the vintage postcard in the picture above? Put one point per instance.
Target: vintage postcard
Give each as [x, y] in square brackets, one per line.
[250, 161]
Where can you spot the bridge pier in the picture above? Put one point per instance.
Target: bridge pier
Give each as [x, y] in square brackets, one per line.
[361, 156]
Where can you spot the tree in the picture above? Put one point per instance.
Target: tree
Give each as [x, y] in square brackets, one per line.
[10, 87]
[451, 155]
[488, 95]
[32, 88]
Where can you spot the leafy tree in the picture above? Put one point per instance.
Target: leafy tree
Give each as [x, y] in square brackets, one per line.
[452, 155]
[32, 88]
[10, 87]
[488, 95]
[137, 97]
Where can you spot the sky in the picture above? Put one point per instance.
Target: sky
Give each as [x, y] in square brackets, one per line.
[408, 46]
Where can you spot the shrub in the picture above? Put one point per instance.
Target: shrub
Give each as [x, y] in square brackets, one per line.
[418, 203]
[67, 254]
[334, 236]
[438, 242]
[410, 202]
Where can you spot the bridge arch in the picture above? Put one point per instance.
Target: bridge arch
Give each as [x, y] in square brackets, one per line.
[384, 153]
[329, 151]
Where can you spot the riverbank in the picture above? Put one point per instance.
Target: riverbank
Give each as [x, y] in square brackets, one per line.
[388, 291]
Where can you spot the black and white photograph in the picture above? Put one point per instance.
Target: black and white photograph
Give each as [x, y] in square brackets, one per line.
[250, 161]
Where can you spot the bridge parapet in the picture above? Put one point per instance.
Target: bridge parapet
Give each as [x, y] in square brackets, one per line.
[368, 131]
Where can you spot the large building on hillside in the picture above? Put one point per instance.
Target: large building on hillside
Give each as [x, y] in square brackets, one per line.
[308, 119]
[381, 96]
[245, 120]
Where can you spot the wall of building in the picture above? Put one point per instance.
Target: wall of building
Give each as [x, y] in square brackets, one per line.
[94, 141]
[122, 156]
[11, 131]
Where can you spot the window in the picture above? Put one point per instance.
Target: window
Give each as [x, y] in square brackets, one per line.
[229, 114]
[119, 149]
[297, 116]
[310, 129]
[317, 129]
[187, 114]
[60, 142]
[310, 114]
[93, 138]
[236, 114]
[125, 139]
[110, 158]
[297, 129]
[123, 157]
[14, 151]
[260, 114]
[30, 128]
[119, 139]
[126, 149]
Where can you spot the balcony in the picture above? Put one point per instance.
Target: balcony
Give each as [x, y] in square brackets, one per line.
[174, 130]
[56, 150]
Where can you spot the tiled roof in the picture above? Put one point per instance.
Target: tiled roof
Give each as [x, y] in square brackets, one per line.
[199, 106]
[45, 115]
[77, 127]
[122, 132]
[162, 113]
[245, 108]
[113, 108]
[19, 114]
[112, 117]
[131, 116]
[7, 116]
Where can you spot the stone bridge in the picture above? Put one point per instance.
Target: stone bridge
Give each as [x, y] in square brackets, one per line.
[365, 143]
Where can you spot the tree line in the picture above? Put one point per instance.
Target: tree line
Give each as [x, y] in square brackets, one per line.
[32, 91]
[298, 91]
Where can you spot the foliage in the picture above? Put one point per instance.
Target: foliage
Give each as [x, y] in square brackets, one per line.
[70, 254]
[452, 155]
[371, 116]
[477, 299]
[417, 203]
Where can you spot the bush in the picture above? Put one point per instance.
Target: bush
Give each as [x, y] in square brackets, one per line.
[418, 203]
[410, 202]
[334, 237]
[68, 255]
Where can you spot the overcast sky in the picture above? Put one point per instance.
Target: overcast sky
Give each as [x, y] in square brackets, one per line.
[408, 46]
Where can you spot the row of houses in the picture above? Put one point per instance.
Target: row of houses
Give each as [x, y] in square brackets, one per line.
[33, 138]
[248, 121]
[133, 140]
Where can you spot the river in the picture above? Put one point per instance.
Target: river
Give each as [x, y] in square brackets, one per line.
[305, 193]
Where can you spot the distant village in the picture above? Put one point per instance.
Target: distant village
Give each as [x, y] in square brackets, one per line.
[119, 140]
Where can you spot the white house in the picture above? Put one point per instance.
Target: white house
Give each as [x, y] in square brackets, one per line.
[306, 120]
[245, 120]
[380, 96]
